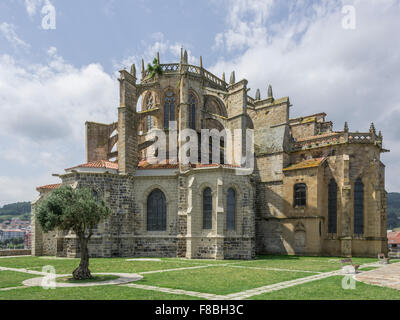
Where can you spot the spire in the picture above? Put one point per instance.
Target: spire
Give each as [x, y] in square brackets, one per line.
[201, 62]
[372, 128]
[258, 94]
[158, 57]
[380, 135]
[223, 76]
[181, 54]
[133, 70]
[142, 68]
[232, 79]
[270, 94]
[346, 127]
[185, 57]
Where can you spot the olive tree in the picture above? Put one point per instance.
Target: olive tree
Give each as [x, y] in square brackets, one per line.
[78, 210]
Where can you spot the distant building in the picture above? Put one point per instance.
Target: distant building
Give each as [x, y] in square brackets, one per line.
[11, 234]
[394, 241]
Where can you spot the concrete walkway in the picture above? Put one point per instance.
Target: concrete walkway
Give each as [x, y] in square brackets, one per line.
[386, 276]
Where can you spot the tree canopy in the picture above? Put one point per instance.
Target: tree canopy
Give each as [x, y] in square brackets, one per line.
[79, 210]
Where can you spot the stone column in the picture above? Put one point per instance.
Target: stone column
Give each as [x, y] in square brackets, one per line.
[127, 125]
[183, 119]
[346, 209]
[36, 235]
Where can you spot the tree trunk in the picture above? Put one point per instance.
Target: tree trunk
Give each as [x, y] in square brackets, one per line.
[83, 272]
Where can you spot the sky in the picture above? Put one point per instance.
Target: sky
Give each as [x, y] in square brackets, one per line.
[59, 63]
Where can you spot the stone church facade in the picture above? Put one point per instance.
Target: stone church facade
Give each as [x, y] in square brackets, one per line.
[313, 190]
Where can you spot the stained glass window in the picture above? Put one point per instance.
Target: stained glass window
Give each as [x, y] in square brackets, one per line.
[169, 109]
[300, 195]
[192, 111]
[207, 209]
[358, 207]
[332, 206]
[231, 210]
[156, 211]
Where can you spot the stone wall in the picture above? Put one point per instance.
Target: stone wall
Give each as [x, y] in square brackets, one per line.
[15, 252]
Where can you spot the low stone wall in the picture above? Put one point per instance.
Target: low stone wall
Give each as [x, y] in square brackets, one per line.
[16, 252]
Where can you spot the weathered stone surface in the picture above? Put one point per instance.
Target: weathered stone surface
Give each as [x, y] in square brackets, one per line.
[267, 221]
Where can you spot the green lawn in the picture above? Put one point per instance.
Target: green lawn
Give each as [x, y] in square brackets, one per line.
[89, 293]
[218, 280]
[331, 289]
[319, 264]
[222, 277]
[66, 266]
[13, 279]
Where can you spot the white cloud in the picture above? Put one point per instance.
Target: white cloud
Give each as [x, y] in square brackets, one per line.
[44, 108]
[306, 54]
[8, 31]
[169, 52]
[246, 21]
[32, 6]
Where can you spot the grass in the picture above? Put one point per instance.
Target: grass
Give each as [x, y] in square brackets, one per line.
[218, 280]
[109, 292]
[95, 278]
[13, 279]
[97, 265]
[331, 289]
[216, 277]
[318, 264]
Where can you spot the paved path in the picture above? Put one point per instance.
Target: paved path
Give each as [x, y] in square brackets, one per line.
[274, 269]
[24, 271]
[386, 276]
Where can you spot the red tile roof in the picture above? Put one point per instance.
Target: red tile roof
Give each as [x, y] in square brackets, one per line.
[49, 187]
[145, 165]
[97, 164]
[394, 237]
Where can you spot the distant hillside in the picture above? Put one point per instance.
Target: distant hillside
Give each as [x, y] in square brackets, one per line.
[20, 210]
[15, 208]
[393, 210]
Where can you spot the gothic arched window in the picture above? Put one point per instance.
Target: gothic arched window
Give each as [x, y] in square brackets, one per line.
[358, 207]
[169, 109]
[149, 106]
[192, 112]
[231, 210]
[300, 195]
[156, 211]
[332, 206]
[207, 209]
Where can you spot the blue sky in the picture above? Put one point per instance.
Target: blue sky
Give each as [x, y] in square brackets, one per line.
[52, 81]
